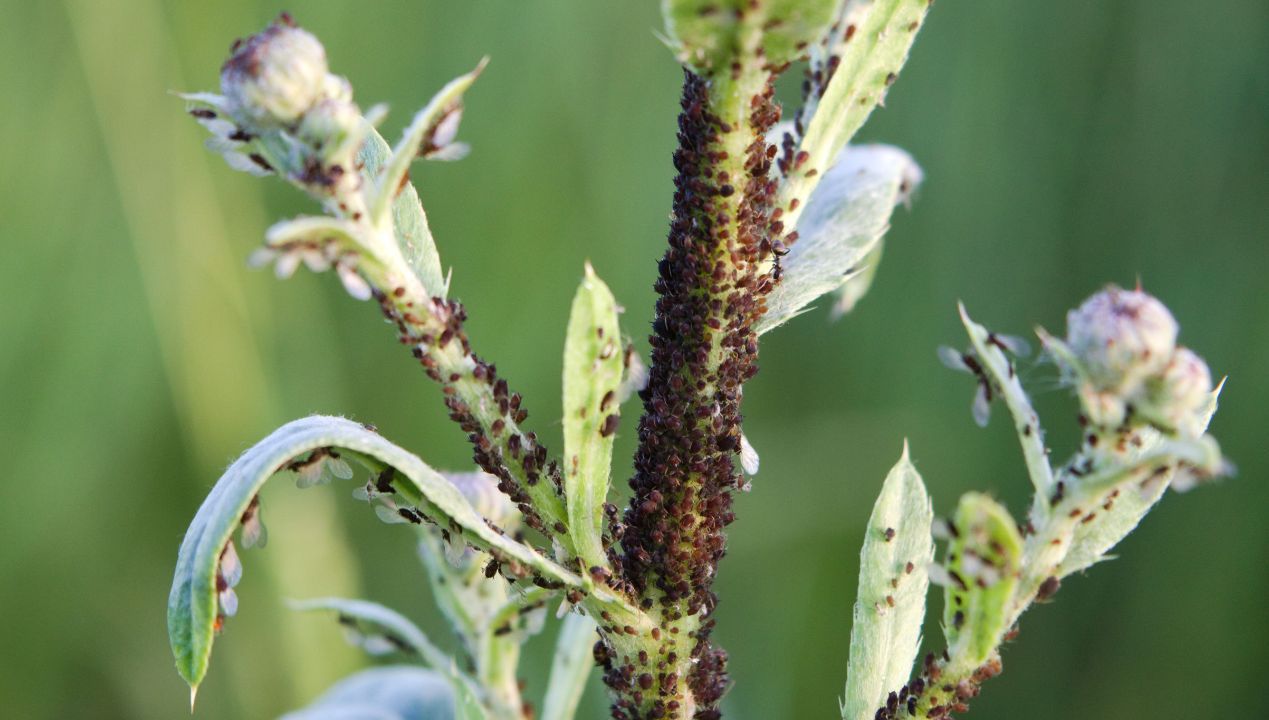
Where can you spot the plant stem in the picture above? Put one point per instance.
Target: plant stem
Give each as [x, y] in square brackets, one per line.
[711, 289]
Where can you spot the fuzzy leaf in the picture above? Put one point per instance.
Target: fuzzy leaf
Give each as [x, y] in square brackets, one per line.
[384, 693]
[854, 289]
[592, 377]
[409, 221]
[707, 34]
[1092, 541]
[893, 581]
[314, 229]
[422, 129]
[871, 43]
[983, 562]
[570, 667]
[842, 224]
[193, 605]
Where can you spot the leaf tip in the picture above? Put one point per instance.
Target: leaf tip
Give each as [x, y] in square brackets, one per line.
[193, 697]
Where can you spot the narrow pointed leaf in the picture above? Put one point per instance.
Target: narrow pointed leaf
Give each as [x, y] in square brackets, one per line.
[193, 606]
[983, 562]
[384, 693]
[893, 581]
[592, 378]
[870, 42]
[314, 229]
[1092, 541]
[706, 34]
[842, 224]
[570, 667]
[854, 289]
[999, 370]
[409, 221]
[425, 124]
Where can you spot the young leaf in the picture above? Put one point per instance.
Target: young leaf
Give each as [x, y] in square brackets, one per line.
[592, 377]
[384, 693]
[194, 606]
[998, 369]
[842, 224]
[855, 288]
[706, 34]
[871, 45]
[441, 111]
[893, 580]
[983, 562]
[570, 667]
[1092, 541]
[409, 221]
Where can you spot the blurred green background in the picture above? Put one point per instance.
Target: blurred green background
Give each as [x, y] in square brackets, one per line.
[1065, 145]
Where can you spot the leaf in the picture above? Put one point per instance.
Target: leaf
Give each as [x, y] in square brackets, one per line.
[858, 285]
[592, 377]
[1093, 540]
[315, 230]
[435, 117]
[384, 693]
[871, 45]
[707, 34]
[386, 623]
[570, 667]
[193, 605]
[409, 221]
[983, 562]
[842, 224]
[893, 581]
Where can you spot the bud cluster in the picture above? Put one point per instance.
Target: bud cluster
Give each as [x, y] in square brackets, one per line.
[1121, 352]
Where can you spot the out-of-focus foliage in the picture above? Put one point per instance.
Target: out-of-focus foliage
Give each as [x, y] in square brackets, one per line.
[1064, 145]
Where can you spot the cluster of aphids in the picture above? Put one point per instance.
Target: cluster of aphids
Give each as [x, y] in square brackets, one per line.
[940, 700]
[433, 330]
[640, 678]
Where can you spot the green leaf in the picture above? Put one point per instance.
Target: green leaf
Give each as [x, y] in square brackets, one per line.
[570, 667]
[443, 107]
[871, 44]
[893, 581]
[1093, 540]
[983, 563]
[708, 34]
[409, 221]
[843, 223]
[855, 288]
[592, 377]
[314, 229]
[193, 606]
[394, 692]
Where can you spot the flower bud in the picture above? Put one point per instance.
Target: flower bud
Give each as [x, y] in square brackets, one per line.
[326, 127]
[1120, 337]
[274, 76]
[1176, 399]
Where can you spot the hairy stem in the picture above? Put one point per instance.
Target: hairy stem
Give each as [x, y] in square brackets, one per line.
[711, 292]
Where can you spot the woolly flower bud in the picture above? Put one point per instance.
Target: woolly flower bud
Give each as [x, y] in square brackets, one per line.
[327, 125]
[1120, 337]
[275, 76]
[1177, 398]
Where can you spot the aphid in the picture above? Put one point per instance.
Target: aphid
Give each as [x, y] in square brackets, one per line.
[966, 362]
[493, 567]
